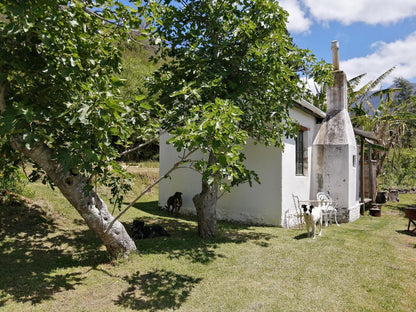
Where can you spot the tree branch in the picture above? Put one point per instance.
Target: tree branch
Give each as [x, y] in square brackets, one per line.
[221, 195]
[140, 146]
[137, 147]
[174, 167]
[88, 11]
[2, 99]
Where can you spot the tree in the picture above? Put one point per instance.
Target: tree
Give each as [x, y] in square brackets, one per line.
[388, 120]
[405, 90]
[407, 95]
[233, 73]
[59, 102]
[402, 173]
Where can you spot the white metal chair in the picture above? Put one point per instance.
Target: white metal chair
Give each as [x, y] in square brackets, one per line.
[327, 207]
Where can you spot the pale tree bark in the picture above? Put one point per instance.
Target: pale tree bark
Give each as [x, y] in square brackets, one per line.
[206, 206]
[89, 205]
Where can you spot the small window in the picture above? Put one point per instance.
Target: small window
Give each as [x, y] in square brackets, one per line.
[299, 154]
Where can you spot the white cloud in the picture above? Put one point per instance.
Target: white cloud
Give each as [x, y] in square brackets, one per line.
[297, 21]
[302, 13]
[399, 53]
[366, 11]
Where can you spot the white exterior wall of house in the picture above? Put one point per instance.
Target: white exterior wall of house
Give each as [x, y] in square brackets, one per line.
[258, 204]
[267, 203]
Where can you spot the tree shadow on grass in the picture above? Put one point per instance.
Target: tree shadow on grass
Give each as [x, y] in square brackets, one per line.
[156, 290]
[184, 241]
[397, 206]
[33, 249]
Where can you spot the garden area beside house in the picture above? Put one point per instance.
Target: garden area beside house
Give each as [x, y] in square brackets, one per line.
[50, 260]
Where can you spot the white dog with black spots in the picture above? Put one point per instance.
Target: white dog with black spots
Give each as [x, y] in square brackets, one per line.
[313, 216]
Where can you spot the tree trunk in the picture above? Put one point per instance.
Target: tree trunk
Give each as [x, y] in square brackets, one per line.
[206, 204]
[90, 206]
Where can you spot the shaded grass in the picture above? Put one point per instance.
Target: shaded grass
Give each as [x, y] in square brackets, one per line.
[50, 260]
[35, 253]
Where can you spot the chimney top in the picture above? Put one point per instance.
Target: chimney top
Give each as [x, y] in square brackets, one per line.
[335, 54]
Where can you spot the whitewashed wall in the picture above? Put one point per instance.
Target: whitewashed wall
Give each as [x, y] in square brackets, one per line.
[259, 204]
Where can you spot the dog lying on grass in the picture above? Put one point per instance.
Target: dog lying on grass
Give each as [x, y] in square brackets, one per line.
[141, 231]
[313, 216]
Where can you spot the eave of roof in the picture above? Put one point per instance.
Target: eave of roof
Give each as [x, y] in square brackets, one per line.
[309, 108]
[366, 134]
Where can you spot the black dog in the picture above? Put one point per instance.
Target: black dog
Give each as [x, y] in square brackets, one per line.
[141, 231]
[174, 203]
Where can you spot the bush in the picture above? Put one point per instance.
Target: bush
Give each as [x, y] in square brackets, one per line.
[401, 173]
[10, 173]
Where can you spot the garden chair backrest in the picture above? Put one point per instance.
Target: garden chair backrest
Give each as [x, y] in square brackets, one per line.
[324, 196]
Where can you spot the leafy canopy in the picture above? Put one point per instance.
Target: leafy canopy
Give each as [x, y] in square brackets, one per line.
[58, 66]
[233, 73]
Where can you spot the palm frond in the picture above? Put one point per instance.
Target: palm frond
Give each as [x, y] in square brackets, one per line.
[353, 82]
[383, 76]
[383, 92]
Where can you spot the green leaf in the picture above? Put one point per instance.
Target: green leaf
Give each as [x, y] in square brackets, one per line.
[84, 114]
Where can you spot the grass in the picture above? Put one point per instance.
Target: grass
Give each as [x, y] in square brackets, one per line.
[49, 260]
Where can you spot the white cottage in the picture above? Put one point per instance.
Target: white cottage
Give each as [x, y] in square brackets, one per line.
[282, 173]
[310, 163]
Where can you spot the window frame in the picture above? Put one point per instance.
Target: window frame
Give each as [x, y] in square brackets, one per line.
[300, 161]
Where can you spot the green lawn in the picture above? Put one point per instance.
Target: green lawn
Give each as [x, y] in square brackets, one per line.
[50, 261]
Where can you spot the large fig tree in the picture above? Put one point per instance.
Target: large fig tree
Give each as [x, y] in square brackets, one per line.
[59, 103]
[232, 73]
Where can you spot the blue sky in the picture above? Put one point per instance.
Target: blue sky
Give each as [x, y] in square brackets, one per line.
[374, 35]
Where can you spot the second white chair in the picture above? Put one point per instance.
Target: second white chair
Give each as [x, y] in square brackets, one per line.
[328, 207]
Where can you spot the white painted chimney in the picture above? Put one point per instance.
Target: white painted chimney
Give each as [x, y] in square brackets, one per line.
[335, 54]
[334, 159]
